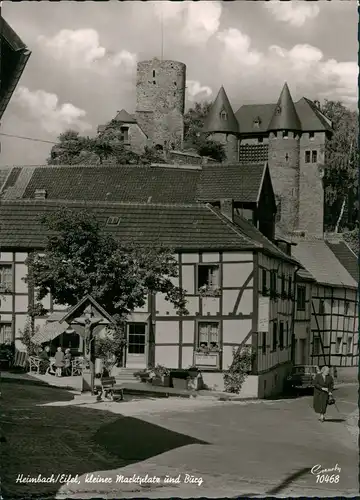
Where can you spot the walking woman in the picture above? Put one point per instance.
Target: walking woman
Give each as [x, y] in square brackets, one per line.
[323, 387]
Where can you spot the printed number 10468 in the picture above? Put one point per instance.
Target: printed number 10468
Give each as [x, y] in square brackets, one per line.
[325, 478]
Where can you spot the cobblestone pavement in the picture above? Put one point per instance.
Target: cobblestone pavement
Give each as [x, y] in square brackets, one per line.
[252, 448]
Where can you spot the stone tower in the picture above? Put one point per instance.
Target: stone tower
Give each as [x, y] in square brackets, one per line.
[222, 126]
[160, 101]
[284, 155]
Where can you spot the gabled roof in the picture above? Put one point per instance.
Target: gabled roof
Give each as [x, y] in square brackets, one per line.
[179, 227]
[14, 56]
[318, 259]
[285, 116]
[141, 184]
[124, 117]
[214, 122]
[311, 119]
[241, 183]
[346, 256]
[68, 315]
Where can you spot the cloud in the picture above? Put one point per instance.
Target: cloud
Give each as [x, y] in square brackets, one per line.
[195, 91]
[198, 21]
[237, 42]
[81, 49]
[296, 12]
[303, 66]
[44, 109]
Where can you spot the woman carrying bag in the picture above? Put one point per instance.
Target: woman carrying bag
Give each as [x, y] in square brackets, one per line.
[323, 387]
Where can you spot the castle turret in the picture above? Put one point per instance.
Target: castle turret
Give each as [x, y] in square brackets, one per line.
[222, 126]
[284, 153]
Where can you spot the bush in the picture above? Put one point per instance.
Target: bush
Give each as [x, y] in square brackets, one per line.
[26, 339]
[7, 352]
[239, 369]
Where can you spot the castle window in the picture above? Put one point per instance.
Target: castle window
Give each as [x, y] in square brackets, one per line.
[260, 139]
[286, 157]
[307, 156]
[313, 156]
[175, 84]
[285, 134]
[223, 115]
[311, 135]
[278, 110]
[153, 73]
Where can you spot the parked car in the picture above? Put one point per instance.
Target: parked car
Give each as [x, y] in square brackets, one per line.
[302, 376]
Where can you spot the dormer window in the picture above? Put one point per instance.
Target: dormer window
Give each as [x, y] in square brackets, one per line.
[257, 122]
[223, 115]
[278, 110]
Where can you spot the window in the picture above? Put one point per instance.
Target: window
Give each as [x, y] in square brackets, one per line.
[273, 287]
[301, 298]
[153, 73]
[208, 277]
[124, 134]
[286, 157]
[311, 136]
[287, 334]
[316, 346]
[257, 122]
[5, 333]
[208, 335]
[283, 291]
[274, 338]
[6, 277]
[175, 84]
[264, 284]
[349, 345]
[285, 134]
[260, 139]
[136, 338]
[338, 345]
[281, 335]
[322, 307]
[278, 110]
[290, 285]
[307, 156]
[346, 308]
[263, 347]
[113, 221]
[313, 156]
[223, 115]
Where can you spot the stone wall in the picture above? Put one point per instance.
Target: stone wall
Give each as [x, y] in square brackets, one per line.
[311, 190]
[230, 143]
[283, 160]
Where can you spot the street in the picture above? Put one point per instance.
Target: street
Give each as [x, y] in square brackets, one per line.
[251, 448]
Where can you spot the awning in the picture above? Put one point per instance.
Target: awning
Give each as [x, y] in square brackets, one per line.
[138, 317]
[49, 332]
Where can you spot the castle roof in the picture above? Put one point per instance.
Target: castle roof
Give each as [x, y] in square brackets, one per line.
[255, 118]
[124, 117]
[221, 117]
[285, 116]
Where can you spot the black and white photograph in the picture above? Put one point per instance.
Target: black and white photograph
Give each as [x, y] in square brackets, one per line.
[179, 249]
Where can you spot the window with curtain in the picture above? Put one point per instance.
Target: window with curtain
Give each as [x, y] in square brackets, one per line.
[5, 333]
[208, 335]
[208, 277]
[6, 276]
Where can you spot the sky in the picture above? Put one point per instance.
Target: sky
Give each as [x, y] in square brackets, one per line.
[82, 68]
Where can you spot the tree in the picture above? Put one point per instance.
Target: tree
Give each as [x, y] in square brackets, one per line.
[194, 138]
[80, 259]
[341, 173]
[107, 145]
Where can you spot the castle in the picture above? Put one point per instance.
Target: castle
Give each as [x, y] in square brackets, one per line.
[289, 136]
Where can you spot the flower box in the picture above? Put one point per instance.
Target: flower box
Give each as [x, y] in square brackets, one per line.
[180, 383]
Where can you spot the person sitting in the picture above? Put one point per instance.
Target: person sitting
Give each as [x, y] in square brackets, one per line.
[68, 357]
[44, 360]
[59, 361]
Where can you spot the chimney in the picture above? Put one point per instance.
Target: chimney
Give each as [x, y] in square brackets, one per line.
[227, 208]
[40, 194]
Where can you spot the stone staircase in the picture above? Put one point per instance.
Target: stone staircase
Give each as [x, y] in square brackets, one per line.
[125, 374]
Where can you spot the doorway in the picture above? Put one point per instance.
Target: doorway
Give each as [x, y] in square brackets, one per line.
[136, 349]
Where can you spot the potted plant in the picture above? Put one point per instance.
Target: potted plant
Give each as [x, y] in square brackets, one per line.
[162, 376]
[208, 291]
[180, 379]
